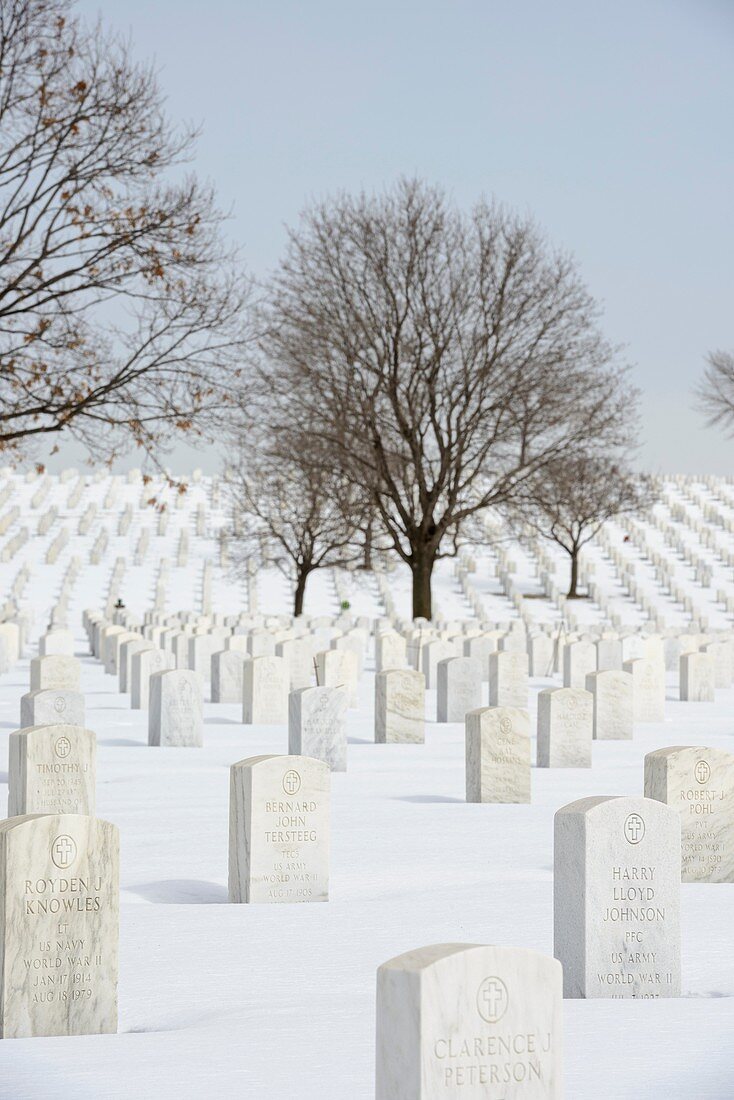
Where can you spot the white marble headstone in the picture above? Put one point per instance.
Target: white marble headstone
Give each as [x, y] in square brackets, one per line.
[565, 728]
[390, 651]
[227, 676]
[617, 898]
[608, 655]
[579, 659]
[143, 664]
[317, 725]
[613, 713]
[698, 782]
[648, 689]
[458, 688]
[497, 755]
[697, 678]
[279, 808]
[508, 680]
[265, 691]
[51, 770]
[55, 671]
[400, 706]
[472, 1021]
[59, 881]
[128, 649]
[56, 641]
[431, 653]
[338, 668]
[175, 709]
[49, 706]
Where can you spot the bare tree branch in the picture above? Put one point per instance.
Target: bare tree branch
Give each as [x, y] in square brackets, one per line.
[291, 510]
[122, 315]
[441, 360]
[715, 392]
[571, 499]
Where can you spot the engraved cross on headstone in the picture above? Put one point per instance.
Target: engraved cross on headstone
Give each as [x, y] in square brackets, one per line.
[493, 995]
[63, 850]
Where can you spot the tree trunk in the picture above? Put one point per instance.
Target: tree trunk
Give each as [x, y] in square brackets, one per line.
[367, 559]
[301, 578]
[422, 568]
[572, 593]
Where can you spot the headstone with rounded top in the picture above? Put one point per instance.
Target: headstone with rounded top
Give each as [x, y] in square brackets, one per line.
[279, 830]
[469, 1020]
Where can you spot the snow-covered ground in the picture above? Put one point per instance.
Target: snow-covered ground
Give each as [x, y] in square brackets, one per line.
[279, 1001]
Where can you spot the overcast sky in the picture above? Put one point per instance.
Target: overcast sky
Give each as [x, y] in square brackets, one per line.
[610, 122]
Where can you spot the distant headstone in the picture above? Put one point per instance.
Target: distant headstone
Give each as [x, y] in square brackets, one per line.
[565, 728]
[298, 654]
[400, 706]
[480, 646]
[59, 881]
[513, 641]
[228, 676]
[279, 830]
[352, 642]
[265, 691]
[317, 725]
[50, 706]
[648, 689]
[633, 647]
[51, 770]
[466, 1020]
[617, 898]
[199, 657]
[112, 647]
[613, 715]
[390, 651]
[56, 642]
[338, 668]
[697, 678]
[127, 651]
[608, 655]
[508, 680]
[261, 643]
[11, 641]
[55, 671]
[540, 654]
[431, 653]
[579, 659]
[142, 666]
[497, 755]
[175, 709]
[721, 652]
[698, 782]
[459, 688]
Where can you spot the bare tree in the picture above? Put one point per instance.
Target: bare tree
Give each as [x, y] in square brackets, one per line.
[571, 499]
[291, 512]
[122, 315]
[440, 359]
[715, 392]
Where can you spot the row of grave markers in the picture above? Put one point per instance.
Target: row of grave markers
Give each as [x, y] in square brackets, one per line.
[618, 936]
[675, 520]
[450, 1017]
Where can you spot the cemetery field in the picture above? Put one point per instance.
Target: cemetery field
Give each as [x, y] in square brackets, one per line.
[278, 1000]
